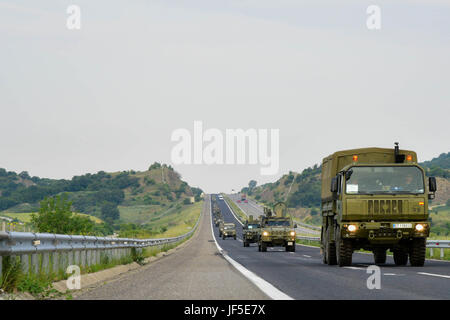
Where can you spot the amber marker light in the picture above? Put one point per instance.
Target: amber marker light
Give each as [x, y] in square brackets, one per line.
[355, 158]
[409, 157]
[421, 203]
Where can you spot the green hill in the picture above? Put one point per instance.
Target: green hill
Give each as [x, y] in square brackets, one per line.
[112, 197]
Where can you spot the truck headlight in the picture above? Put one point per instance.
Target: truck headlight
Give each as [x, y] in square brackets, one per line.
[419, 227]
[292, 233]
[351, 228]
[265, 233]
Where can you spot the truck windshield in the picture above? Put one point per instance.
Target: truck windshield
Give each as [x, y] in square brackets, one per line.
[253, 226]
[379, 180]
[229, 227]
[278, 223]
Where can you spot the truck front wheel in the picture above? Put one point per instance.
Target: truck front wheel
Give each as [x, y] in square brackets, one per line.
[344, 250]
[417, 253]
[263, 246]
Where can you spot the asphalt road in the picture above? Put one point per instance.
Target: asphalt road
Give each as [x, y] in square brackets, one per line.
[302, 275]
[195, 271]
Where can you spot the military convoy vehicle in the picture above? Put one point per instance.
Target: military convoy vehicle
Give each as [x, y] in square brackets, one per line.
[375, 199]
[228, 231]
[276, 229]
[250, 232]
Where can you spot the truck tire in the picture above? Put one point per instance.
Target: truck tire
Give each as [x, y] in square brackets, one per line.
[263, 246]
[379, 255]
[330, 249]
[234, 237]
[344, 250]
[293, 248]
[400, 257]
[417, 252]
[259, 247]
[223, 237]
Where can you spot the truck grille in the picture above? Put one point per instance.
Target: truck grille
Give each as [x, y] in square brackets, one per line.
[385, 206]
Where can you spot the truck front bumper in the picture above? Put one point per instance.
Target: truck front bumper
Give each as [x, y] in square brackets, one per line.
[385, 230]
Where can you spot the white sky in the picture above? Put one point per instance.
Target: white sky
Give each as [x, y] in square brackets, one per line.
[108, 97]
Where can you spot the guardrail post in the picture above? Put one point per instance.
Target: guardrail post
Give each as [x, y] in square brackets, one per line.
[34, 263]
[82, 258]
[3, 226]
[25, 261]
[431, 252]
[55, 263]
[63, 260]
[442, 253]
[76, 257]
[46, 262]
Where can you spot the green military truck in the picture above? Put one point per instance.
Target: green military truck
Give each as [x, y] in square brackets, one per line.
[228, 231]
[250, 232]
[276, 229]
[375, 199]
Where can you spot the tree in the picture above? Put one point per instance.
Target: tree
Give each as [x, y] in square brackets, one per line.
[252, 184]
[110, 212]
[55, 216]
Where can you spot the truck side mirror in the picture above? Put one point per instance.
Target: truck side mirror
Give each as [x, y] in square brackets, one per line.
[334, 185]
[432, 186]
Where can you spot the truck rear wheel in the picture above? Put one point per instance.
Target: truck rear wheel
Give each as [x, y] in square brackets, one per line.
[417, 253]
[400, 257]
[259, 247]
[379, 255]
[344, 250]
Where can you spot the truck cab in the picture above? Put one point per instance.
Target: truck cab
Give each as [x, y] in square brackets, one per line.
[375, 199]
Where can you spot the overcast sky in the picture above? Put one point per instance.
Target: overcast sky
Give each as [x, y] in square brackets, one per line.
[108, 96]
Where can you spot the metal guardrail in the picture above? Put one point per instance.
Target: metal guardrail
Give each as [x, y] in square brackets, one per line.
[71, 249]
[431, 244]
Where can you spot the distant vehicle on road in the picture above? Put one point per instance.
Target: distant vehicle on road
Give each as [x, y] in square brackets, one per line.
[220, 197]
[251, 231]
[228, 231]
[242, 198]
[277, 229]
[377, 200]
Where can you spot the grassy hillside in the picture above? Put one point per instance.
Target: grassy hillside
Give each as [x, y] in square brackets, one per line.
[175, 221]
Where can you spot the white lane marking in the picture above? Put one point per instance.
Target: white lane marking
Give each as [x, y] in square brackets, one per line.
[389, 274]
[305, 255]
[354, 268]
[233, 213]
[262, 284]
[239, 240]
[434, 275]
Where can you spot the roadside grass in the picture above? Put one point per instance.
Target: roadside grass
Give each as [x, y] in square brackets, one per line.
[239, 213]
[174, 222]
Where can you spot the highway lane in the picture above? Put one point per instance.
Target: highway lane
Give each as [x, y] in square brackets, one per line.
[195, 271]
[302, 275]
[252, 208]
